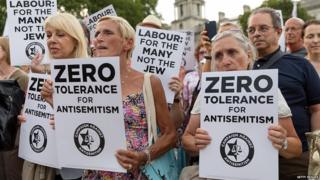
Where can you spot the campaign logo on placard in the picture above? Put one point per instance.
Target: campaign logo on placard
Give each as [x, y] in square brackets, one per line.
[89, 139]
[34, 48]
[38, 139]
[237, 149]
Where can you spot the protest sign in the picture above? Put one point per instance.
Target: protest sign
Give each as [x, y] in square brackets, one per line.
[159, 52]
[26, 31]
[37, 138]
[88, 111]
[188, 58]
[237, 107]
[91, 20]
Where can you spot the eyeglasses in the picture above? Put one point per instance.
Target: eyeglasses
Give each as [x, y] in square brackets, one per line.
[262, 29]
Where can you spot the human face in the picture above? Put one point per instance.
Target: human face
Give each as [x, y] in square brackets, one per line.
[293, 31]
[262, 34]
[60, 44]
[108, 40]
[229, 55]
[312, 39]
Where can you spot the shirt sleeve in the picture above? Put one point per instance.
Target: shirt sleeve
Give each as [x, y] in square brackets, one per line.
[283, 108]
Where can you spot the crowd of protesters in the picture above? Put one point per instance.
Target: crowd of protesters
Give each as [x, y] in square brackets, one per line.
[179, 122]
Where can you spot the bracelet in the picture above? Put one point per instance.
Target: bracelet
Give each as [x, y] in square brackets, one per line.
[147, 153]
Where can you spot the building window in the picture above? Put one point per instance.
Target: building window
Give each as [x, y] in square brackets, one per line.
[181, 26]
[181, 10]
[199, 9]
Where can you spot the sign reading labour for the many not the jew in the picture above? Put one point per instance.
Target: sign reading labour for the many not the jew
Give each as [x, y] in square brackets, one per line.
[236, 109]
[37, 138]
[26, 31]
[93, 19]
[88, 111]
[159, 52]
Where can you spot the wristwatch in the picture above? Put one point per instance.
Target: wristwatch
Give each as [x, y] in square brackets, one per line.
[285, 144]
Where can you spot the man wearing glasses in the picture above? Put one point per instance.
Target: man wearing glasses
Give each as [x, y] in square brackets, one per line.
[293, 34]
[298, 82]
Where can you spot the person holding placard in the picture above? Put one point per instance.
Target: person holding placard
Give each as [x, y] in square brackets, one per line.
[10, 163]
[230, 52]
[115, 37]
[65, 39]
[298, 82]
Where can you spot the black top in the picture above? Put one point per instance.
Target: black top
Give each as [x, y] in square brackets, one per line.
[300, 86]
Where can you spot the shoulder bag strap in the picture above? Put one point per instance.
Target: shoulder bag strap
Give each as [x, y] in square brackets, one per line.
[150, 109]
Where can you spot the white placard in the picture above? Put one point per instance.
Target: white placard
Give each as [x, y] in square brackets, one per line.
[188, 58]
[88, 110]
[236, 109]
[91, 20]
[37, 138]
[159, 52]
[26, 31]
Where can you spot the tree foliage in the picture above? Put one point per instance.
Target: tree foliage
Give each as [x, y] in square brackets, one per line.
[285, 6]
[132, 10]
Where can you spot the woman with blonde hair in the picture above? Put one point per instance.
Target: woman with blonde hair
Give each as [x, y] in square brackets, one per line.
[115, 37]
[65, 39]
[10, 163]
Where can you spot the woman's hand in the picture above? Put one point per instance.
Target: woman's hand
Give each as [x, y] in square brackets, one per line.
[36, 65]
[47, 91]
[202, 138]
[131, 160]
[205, 41]
[277, 135]
[176, 85]
[21, 119]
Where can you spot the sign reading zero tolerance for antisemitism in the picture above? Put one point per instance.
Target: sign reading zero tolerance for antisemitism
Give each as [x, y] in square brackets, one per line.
[237, 107]
[26, 31]
[88, 112]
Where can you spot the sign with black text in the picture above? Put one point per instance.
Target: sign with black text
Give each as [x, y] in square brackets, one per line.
[37, 138]
[88, 110]
[92, 20]
[188, 58]
[237, 107]
[159, 52]
[26, 28]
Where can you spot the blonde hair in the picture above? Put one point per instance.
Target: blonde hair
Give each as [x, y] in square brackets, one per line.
[126, 30]
[243, 41]
[4, 43]
[69, 24]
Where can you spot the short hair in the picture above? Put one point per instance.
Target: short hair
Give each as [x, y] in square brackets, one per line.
[309, 23]
[241, 38]
[232, 26]
[275, 16]
[126, 30]
[4, 43]
[69, 24]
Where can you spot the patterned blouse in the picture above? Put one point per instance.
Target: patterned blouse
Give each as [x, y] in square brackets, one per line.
[136, 130]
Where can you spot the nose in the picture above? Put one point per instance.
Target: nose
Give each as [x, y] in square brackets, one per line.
[226, 61]
[52, 39]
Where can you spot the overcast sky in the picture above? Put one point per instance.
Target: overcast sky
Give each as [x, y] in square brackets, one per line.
[231, 8]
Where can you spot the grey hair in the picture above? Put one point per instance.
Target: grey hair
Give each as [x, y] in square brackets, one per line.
[241, 38]
[275, 16]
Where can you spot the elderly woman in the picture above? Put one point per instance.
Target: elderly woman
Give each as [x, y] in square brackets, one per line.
[115, 37]
[231, 52]
[311, 39]
[65, 39]
[10, 163]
